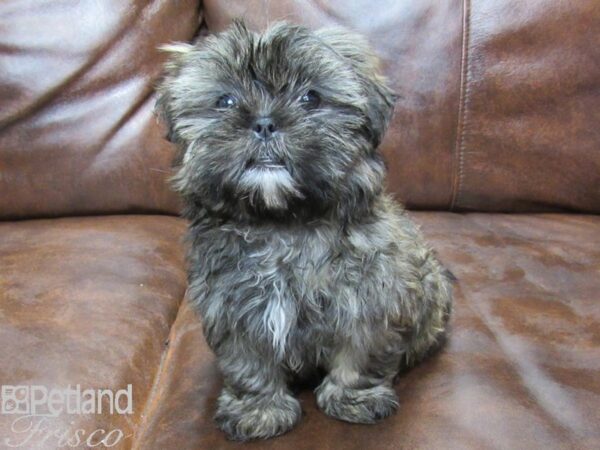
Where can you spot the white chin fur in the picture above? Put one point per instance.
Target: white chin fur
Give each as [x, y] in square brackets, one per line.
[273, 185]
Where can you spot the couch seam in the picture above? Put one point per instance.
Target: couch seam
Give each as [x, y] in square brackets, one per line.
[459, 147]
[152, 394]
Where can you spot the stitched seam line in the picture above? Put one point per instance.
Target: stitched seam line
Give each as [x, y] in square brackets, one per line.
[152, 399]
[462, 110]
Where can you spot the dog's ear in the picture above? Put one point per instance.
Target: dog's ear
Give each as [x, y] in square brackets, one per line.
[164, 107]
[380, 98]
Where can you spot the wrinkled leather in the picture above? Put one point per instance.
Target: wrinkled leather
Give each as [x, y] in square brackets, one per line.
[498, 107]
[87, 301]
[77, 129]
[520, 370]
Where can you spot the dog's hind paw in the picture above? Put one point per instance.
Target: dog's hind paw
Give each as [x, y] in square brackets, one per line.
[368, 405]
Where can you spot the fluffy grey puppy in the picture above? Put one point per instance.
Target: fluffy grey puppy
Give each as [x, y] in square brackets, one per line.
[298, 259]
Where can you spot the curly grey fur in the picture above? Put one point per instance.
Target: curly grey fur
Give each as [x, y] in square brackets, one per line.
[302, 263]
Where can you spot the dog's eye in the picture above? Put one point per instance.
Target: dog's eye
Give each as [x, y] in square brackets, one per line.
[310, 100]
[226, 101]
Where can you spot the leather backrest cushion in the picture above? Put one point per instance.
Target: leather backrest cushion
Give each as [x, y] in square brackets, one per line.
[500, 99]
[77, 130]
[499, 106]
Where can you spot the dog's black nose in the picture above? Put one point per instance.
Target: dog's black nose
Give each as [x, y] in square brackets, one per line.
[264, 128]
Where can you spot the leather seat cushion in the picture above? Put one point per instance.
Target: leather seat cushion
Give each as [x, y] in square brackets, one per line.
[87, 301]
[521, 368]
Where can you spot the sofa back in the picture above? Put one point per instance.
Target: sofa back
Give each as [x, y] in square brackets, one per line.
[499, 105]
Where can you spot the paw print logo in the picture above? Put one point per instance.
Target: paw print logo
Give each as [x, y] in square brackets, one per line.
[15, 400]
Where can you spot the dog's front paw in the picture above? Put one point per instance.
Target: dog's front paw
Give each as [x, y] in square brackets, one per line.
[247, 416]
[367, 405]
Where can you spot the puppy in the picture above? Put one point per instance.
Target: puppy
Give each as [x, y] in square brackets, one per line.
[297, 258]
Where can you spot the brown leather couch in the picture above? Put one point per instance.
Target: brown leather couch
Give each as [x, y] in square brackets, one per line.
[495, 147]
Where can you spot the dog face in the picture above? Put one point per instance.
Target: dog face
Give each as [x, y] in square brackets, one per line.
[283, 124]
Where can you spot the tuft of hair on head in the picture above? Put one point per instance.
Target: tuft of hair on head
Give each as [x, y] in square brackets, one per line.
[177, 55]
[180, 48]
